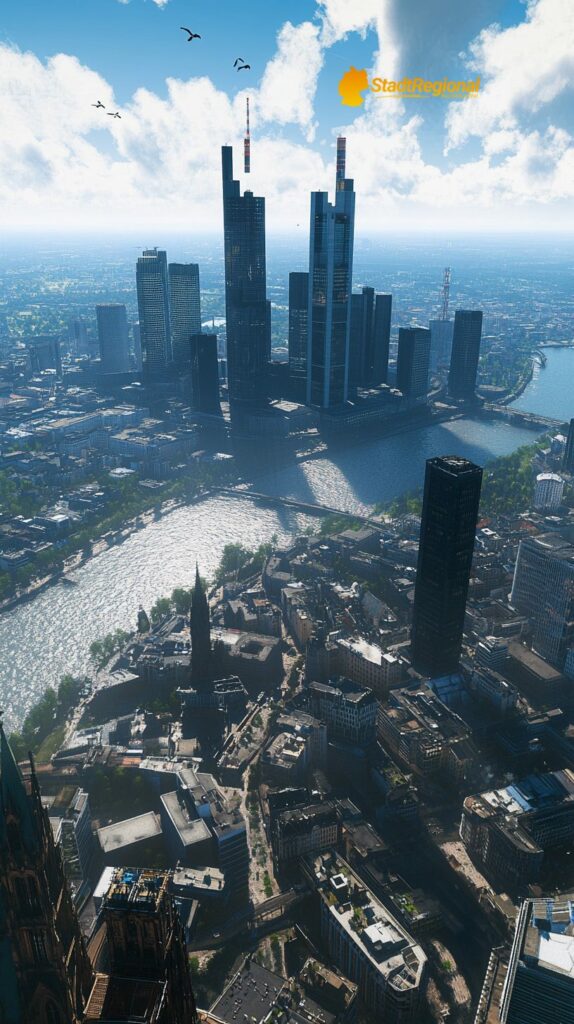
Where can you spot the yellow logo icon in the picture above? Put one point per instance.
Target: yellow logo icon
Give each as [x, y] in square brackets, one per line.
[352, 84]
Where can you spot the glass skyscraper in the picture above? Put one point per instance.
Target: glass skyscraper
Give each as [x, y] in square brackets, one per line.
[298, 311]
[204, 374]
[330, 272]
[184, 308]
[246, 306]
[369, 338]
[448, 527]
[153, 307]
[413, 361]
[465, 352]
[113, 337]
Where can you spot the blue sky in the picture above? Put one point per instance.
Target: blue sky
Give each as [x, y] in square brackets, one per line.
[504, 161]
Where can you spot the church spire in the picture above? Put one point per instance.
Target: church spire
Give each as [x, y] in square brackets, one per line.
[200, 628]
[14, 801]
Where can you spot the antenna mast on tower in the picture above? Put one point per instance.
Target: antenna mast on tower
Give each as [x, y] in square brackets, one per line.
[247, 145]
[445, 293]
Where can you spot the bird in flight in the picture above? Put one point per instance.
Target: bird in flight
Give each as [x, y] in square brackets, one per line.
[238, 60]
[191, 35]
[114, 115]
[99, 104]
[244, 67]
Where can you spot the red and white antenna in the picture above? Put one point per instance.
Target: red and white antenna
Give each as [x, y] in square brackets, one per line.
[247, 145]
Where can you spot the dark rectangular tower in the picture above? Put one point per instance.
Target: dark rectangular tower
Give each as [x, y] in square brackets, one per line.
[185, 312]
[113, 337]
[448, 527]
[204, 374]
[568, 463]
[413, 361]
[369, 338]
[246, 306]
[153, 307]
[298, 311]
[465, 352]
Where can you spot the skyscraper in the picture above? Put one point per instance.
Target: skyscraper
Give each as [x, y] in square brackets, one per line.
[113, 337]
[448, 527]
[298, 312]
[369, 338]
[153, 306]
[200, 628]
[204, 374]
[44, 353]
[184, 308]
[465, 352]
[568, 463]
[543, 589]
[330, 273]
[247, 310]
[413, 361]
[441, 343]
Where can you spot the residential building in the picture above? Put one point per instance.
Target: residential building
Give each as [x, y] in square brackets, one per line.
[185, 312]
[548, 491]
[304, 830]
[113, 337]
[368, 665]
[465, 353]
[330, 282]
[413, 362]
[153, 308]
[349, 710]
[446, 545]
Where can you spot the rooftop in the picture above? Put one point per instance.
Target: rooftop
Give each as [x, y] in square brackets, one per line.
[135, 889]
[126, 833]
[250, 995]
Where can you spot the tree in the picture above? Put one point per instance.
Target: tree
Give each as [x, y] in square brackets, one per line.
[160, 609]
[181, 600]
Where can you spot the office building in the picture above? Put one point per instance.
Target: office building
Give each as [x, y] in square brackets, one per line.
[298, 312]
[247, 309]
[369, 338]
[78, 335]
[184, 309]
[441, 343]
[113, 337]
[507, 831]
[543, 589]
[548, 491]
[300, 831]
[44, 354]
[153, 307]
[446, 545]
[349, 710]
[568, 463]
[534, 983]
[465, 353]
[204, 374]
[413, 362]
[330, 282]
[366, 942]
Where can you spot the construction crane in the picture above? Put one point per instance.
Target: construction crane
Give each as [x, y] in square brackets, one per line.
[247, 145]
[445, 293]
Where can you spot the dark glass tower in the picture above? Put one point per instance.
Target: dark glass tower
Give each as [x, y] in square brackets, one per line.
[298, 311]
[568, 463]
[413, 361]
[369, 338]
[330, 272]
[465, 352]
[113, 337]
[247, 310]
[204, 374]
[153, 307]
[185, 312]
[448, 527]
[200, 627]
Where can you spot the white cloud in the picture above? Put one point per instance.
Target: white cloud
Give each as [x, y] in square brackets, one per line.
[289, 83]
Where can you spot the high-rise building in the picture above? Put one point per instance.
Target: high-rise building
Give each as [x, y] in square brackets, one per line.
[534, 984]
[548, 491]
[448, 527]
[184, 308]
[298, 312]
[568, 463]
[44, 353]
[153, 306]
[247, 309]
[200, 627]
[204, 374]
[413, 361]
[113, 337]
[78, 335]
[465, 352]
[543, 589]
[441, 343]
[46, 975]
[369, 338]
[330, 281]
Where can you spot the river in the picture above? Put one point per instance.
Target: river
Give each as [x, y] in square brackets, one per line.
[51, 635]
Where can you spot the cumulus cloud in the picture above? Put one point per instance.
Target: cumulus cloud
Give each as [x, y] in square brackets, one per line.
[287, 91]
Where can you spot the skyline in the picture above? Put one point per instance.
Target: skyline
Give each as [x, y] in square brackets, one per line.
[506, 153]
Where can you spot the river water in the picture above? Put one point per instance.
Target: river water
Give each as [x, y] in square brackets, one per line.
[51, 635]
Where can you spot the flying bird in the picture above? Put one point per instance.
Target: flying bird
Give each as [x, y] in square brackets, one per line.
[114, 115]
[191, 35]
[244, 67]
[238, 60]
[99, 104]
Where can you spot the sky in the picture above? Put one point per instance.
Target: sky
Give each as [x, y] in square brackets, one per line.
[500, 161]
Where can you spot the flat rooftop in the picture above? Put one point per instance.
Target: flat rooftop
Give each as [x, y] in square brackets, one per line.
[190, 830]
[126, 833]
[250, 995]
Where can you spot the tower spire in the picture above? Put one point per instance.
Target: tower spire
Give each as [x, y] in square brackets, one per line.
[341, 161]
[247, 143]
[445, 293]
